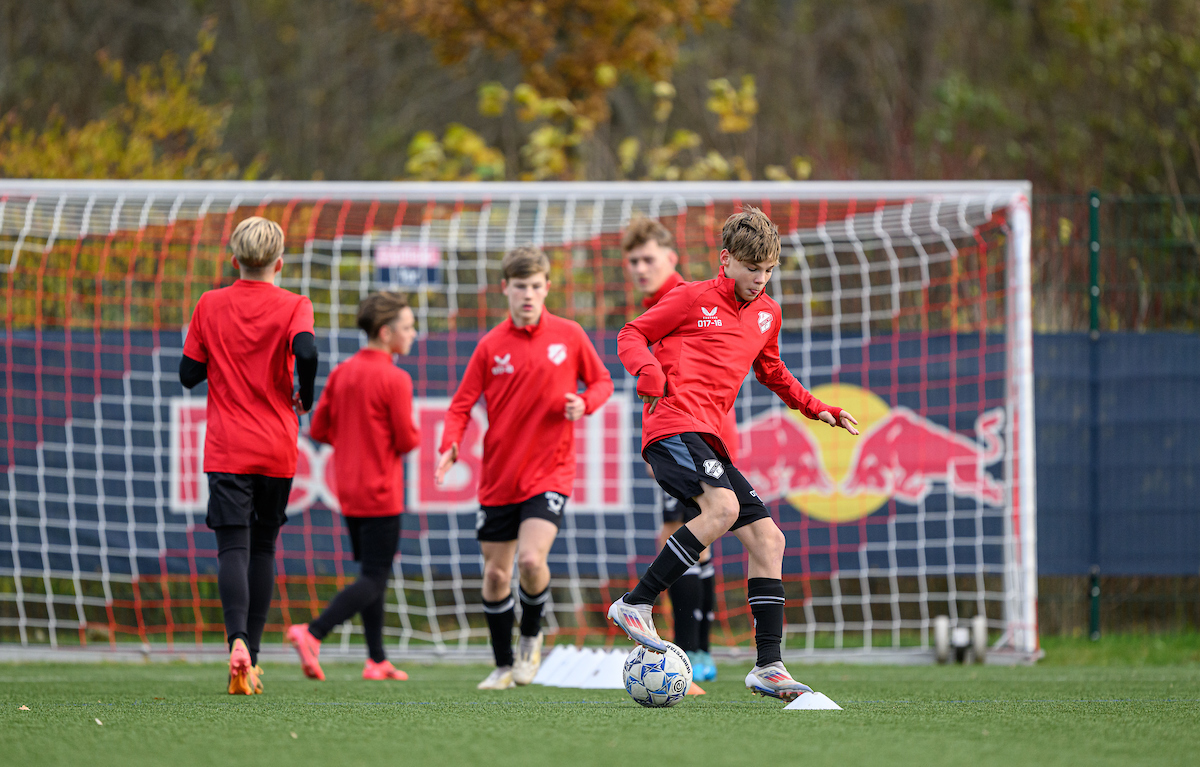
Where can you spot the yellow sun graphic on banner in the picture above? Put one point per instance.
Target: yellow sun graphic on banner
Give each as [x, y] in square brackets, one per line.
[836, 448]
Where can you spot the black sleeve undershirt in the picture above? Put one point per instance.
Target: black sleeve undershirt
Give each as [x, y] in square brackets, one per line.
[304, 346]
[191, 372]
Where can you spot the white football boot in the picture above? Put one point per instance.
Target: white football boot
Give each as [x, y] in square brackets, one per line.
[501, 678]
[529, 659]
[637, 621]
[774, 680]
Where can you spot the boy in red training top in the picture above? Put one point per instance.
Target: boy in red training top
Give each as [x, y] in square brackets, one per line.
[528, 368]
[708, 335]
[650, 259]
[246, 339]
[366, 414]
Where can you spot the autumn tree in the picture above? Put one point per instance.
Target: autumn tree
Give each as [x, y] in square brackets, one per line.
[161, 130]
[572, 49]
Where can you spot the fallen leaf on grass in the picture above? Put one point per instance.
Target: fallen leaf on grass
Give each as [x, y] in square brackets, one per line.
[99, 723]
[294, 735]
[23, 708]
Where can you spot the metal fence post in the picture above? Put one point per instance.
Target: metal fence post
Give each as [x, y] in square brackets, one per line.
[1094, 407]
[1094, 263]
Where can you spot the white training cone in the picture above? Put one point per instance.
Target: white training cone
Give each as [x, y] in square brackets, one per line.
[607, 674]
[558, 655]
[573, 673]
[813, 701]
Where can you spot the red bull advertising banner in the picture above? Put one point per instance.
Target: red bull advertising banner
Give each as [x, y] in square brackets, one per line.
[825, 473]
[602, 478]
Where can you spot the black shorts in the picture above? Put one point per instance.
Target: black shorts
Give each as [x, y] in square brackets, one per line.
[501, 523]
[243, 500]
[682, 462]
[674, 511]
[375, 540]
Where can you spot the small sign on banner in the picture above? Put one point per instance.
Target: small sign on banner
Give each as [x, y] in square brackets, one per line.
[408, 265]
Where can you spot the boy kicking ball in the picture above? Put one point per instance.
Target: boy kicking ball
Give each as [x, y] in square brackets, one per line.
[366, 414]
[650, 260]
[528, 370]
[706, 336]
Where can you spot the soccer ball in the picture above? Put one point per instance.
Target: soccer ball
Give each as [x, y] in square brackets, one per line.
[657, 680]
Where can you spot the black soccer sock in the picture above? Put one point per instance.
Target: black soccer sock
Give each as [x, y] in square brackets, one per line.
[531, 611]
[262, 585]
[500, 617]
[351, 600]
[685, 606]
[233, 564]
[708, 601]
[766, 605]
[681, 552]
[372, 618]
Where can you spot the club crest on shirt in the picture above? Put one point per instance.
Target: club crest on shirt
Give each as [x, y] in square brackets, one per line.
[713, 468]
[764, 321]
[557, 353]
[709, 319]
[503, 364]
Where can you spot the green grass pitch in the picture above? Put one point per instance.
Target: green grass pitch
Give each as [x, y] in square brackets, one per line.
[1126, 704]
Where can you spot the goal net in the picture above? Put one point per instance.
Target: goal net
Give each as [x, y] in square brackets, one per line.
[906, 303]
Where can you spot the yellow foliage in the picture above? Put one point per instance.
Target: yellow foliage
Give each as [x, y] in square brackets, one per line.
[802, 167]
[162, 130]
[735, 107]
[575, 49]
[461, 155]
[627, 153]
[554, 146]
[493, 99]
[529, 103]
[606, 75]
[546, 153]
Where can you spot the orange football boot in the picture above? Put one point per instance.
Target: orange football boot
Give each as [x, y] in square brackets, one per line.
[385, 670]
[308, 647]
[240, 669]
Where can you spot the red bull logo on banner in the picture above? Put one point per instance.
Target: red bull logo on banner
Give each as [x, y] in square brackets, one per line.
[833, 476]
[602, 474]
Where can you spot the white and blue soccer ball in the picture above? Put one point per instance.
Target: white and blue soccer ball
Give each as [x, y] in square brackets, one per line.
[657, 680]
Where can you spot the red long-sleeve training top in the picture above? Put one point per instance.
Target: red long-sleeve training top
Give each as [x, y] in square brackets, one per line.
[706, 342]
[729, 428]
[365, 412]
[524, 374]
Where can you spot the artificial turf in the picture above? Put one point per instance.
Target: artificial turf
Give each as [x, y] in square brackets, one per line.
[177, 714]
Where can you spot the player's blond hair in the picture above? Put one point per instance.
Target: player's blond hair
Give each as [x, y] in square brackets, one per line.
[524, 261]
[379, 309]
[257, 242]
[750, 237]
[642, 230]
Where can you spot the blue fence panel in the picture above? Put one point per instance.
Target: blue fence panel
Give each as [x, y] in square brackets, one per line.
[1147, 458]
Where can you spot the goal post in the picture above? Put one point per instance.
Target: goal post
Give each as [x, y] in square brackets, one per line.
[908, 303]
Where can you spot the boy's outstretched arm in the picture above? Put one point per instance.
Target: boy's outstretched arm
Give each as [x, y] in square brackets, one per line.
[772, 373]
